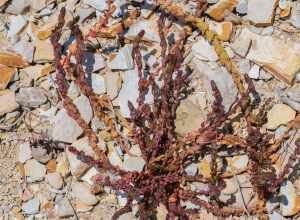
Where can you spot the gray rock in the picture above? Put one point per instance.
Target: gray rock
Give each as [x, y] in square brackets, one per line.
[280, 132]
[261, 12]
[98, 84]
[65, 128]
[18, 7]
[40, 154]
[31, 97]
[264, 75]
[113, 84]
[64, 209]
[296, 15]
[85, 13]
[31, 207]
[242, 7]
[84, 107]
[123, 59]
[17, 24]
[34, 170]
[99, 5]
[191, 169]
[241, 46]
[24, 152]
[244, 66]
[212, 1]
[93, 62]
[54, 180]
[82, 191]
[293, 104]
[254, 72]
[132, 163]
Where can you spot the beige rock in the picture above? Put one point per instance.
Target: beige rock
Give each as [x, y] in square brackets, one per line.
[223, 29]
[290, 204]
[11, 59]
[3, 2]
[7, 102]
[63, 166]
[43, 51]
[237, 162]
[231, 186]
[261, 13]
[217, 11]
[280, 114]
[280, 57]
[162, 212]
[82, 192]
[6, 75]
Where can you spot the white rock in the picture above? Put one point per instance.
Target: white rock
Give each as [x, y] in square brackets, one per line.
[31, 207]
[241, 45]
[244, 66]
[82, 191]
[65, 128]
[280, 114]
[99, 5]
[231, 186]
[113, 84]
[34, 170]
[98, 84]
[93, 62]
[17, 24]
[238, 162]
[254, 72]
[261, 12]
[123, 59]
[25, 48]
[290, 203]
[129, 92]
[133, 163]
[84, 107]
[135, 150]
[17, 7]
[24, 153]
[191, 169]
[296, 15]
[64, 209]
[73, 90]
[85, 13]
[276, 216]
[204, 51]
[76, 166]
[150, 28]
[113, 155]
[87, 177]
[212, 1]
[55, 180]
[242, 6]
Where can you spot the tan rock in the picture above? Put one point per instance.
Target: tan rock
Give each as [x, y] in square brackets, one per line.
[7, 102]
[261, 13]
[280, 57]
[43, 51]
[11, 59]
[280, 114]
[51, 166]
[6, 75]
[217, 11]
[223, 29]
[3, 2]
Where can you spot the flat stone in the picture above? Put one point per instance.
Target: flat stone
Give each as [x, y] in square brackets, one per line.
[231, 186]
[11, 59]
[241, 45]
[295, 18]
[84, 107]
[290, 202]
[65, 128]
[129, 92]
[25, 48]
[34, 71]
[82, 191]
[98, 5]
[63, 166]
[38, 5]
[77, 167]
[132, 163]
[217, 11]
[261, 13]
[151, 33]
[24, 152]
[88, 176]
[280, 114]
[54, 180]
[31, 207]
[18, 7]
[93, 62]
[31, 97]
[244, 66]
[43, 51]
[7, 102]
[64, 209]
[7, 74]
[242, 7]
[204, 51]
[123, 59]
[17, 24]
[34, 170]
[98, 84]
[113, 84]
[254, 72]
[73, 90]
[280, 57]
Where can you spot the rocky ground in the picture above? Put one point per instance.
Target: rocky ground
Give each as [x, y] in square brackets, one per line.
[39, 182]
